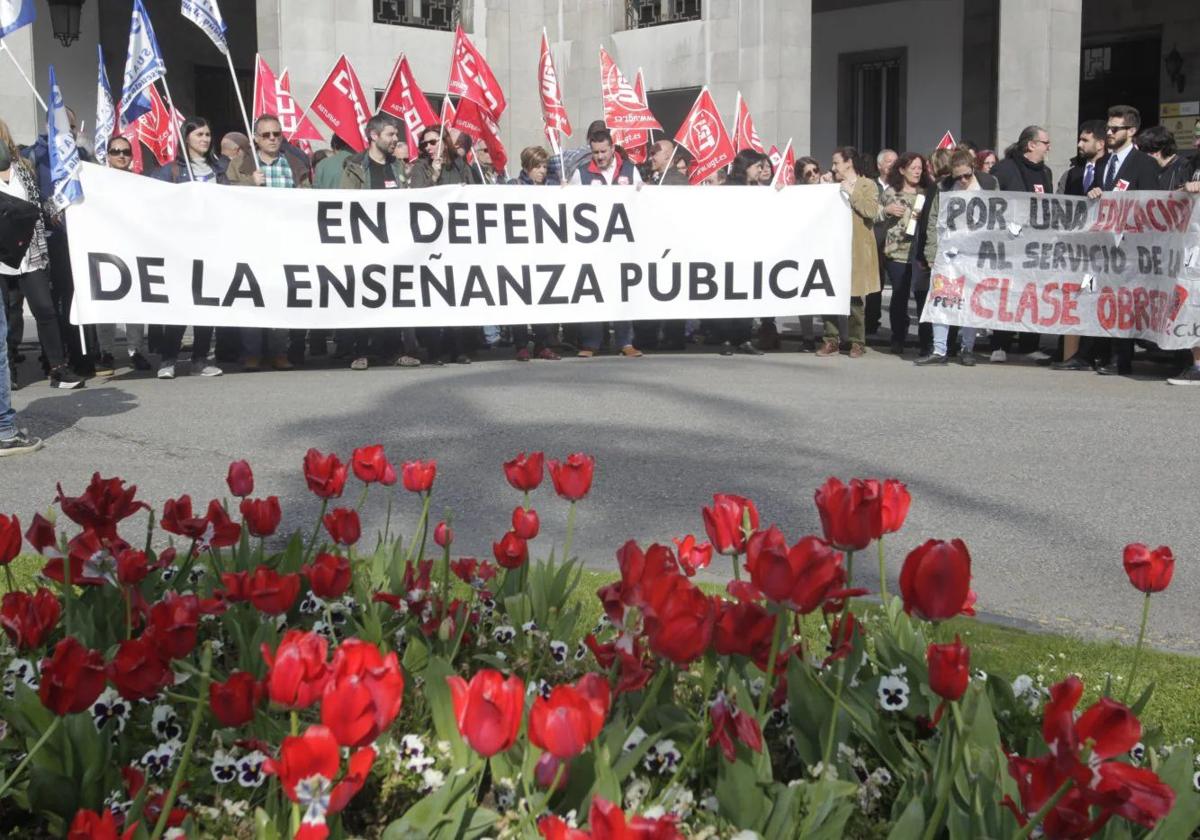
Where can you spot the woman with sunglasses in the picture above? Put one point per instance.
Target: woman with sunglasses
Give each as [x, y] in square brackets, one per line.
[905, 214]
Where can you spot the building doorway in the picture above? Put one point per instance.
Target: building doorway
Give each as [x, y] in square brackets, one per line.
[1120, 71]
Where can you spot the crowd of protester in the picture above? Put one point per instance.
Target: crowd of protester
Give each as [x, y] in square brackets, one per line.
[894, 201]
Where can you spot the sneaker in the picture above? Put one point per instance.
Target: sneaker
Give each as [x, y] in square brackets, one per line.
[999, 356]
[726, 349]
[282, 362]
[252, 363]
[166, 372]
[631, 352]
[1191, 376]
[749, 349]
[210, 370]
[966, 358]
[139, 362]
[462, 359]
[1039, 356]
[585, 354]
[361, 363]
[63, 377]
[807, 345]
[932, 359]
[19, 444]
[408, 361]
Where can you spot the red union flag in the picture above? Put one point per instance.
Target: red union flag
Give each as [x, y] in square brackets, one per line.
[744, 135]
[156, 130]
[554, 112]
[266, 97]
[342, 105]
[471, 78]
[785, 170]
[947, 141]
[624, 110]
[635, 143]
[776, 156]
[296, 125]
[405, 100]
[704, 136]
[479, 125]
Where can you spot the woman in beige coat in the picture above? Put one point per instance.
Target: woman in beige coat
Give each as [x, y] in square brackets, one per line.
[848, 169]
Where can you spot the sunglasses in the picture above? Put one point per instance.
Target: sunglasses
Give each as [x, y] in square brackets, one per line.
[120, 152]
[429, 142]
[1113, 129]
[269, 135]
[809, 173]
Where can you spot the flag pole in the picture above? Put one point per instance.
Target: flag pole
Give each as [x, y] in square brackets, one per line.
[187, 158]
[441, 128]
[21, 71]
[782, 161]
[241, 101]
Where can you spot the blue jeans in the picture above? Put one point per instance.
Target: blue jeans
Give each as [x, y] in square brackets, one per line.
[941, 333]
[591, 336]
[8, 417]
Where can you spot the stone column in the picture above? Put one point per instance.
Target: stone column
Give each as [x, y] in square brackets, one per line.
[793, 82]
[18, 107]
[1038, 79]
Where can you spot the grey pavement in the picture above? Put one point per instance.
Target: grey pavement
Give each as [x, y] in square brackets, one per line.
[1045, 475]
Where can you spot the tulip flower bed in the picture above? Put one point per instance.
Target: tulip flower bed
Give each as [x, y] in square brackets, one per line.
[240, 684]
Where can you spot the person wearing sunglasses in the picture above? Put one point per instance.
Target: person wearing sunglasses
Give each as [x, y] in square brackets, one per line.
[119, 156]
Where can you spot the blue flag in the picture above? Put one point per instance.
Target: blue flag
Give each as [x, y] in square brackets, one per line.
[106, 114]
[14, 14]
[64, 156]
[207, 15]
[143, 66]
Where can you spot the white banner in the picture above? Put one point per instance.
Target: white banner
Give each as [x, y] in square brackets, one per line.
[1126, 265]
[145, 251]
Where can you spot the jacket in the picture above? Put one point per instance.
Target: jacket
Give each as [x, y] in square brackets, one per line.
[36, 256]
[987, 183]
[1176, 173]
[672, 178]
[243, 174]
[524, 180]
[421, 174]
[356, 173]
[1139, 172]
[1073, 182]
[589, 174]
[1019, 174]
[175, 173]
[864, 254]
[329, 171]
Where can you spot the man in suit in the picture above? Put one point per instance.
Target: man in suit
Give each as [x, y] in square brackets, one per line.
[1123, 168]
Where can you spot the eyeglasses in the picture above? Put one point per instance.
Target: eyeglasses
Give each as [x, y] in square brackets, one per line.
[809, 173]
[429, 143]
[966, 176]
[120, 152]
[269, 135]
[1113, 129]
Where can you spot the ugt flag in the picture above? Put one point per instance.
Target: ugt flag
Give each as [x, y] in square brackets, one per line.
[342, 105]
[207, 15]
[744, 135]
[143, 66]
[14, 14]
[554, 112]
[405, 101]
[623, 108]
[636, 143]
[703, 135]
[106, 114]
[64, 156]
[785, 170]
[471, 77]
[479, 125]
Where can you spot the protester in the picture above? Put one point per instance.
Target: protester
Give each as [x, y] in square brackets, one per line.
[939, 164]
[735, 333]
[848, 170]
[18, 180]
[13, 441]
[884, 161]
[964, 177]
[808, 171]
[985, 161]
[535, 163]
[439, 170]
[906, 206]
[662, 152]
[327, 174]
[662, 172]
[1174, 169]
[119, 155]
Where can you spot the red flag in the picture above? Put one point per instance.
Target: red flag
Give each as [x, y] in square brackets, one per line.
[155, 129]
[471, 78]
[476, 122]
[704, 136]
[266, 100]
[785, 170]
[776, 156]
[623, 108]
[449, 113]
[404, 100]
[342, 105]
[744, 135]
[947, 141]
[296, 125]
[635, 143]
[554, 112]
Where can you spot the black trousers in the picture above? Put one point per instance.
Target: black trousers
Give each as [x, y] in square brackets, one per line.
[34, 288]
[173, 340]
[543, 335]
[901, 277]
[735, 330]
[14, 312]
[62, 291]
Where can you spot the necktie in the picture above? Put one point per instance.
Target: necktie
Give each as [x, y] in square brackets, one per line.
[1089, 175]
[1110, 173]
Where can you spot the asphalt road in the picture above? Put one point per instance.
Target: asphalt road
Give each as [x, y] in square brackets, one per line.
[1045, 475]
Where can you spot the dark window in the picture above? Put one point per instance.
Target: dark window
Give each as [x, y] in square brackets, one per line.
[642, 13]
[426, 14]
[1121, 71]
[671, 107]
[217, 101]
[871, 100]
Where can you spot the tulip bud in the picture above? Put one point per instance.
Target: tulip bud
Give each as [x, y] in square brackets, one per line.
[547, 770]
[443, 535]
[446, 629]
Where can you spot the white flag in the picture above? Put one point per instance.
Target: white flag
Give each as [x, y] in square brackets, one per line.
[207, 15]
[106, 114]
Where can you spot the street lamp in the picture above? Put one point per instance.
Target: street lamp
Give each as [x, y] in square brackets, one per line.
[64, 19]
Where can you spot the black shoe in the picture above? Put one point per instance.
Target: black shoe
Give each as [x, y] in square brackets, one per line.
[462, 359]
[726, 349]
[1114, 370]
[749, 349]
[808, 345]
[966, 358]
[1191, 376]
[62, 377]
[896, 349]
[20, 444]
[1073, 363]
[139, 362]
[931, 359]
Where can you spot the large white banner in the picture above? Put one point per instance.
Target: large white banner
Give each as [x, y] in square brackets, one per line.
[145, 251]
[1126, 265]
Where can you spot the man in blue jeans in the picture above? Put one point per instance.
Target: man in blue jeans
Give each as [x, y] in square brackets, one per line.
[13, 441]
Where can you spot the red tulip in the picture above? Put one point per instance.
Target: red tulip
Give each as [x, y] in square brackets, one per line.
[608, 822]
[525, 523]
[1037, 781]
[679, 618]
[1135, 793]
[325, 474]
[571, 718]
[28, 619]
[261, 516]
[363, 695]
[233, 701]
[88, 825]
[730, 724]
[132, 567]
[174, 623]
[371, 465]
[896, 502]
[297, 671]
[488, 710]
[693, 556]
[240, 479]
[89, 559]
[271, 592]
[311, 762]
[138, 671]
[723, 522]
[803, 577]
[852, 516]
[549, 768]
[524, 473]
[343, 526]
[845, 631]
[329, 576]
[1149, 571]
[511, 552]
[418, 476]
[42, 537]
[949, 669]
[443, 535]
[935, 581]
[178, 518]
[552, 827]
[10, 538]
[236, 586]
[743, 629]
[72, 678]
[573, 477]
[104, 503]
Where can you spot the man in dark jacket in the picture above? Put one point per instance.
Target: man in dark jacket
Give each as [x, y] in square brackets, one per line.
[1023, 170]
[1123, 168]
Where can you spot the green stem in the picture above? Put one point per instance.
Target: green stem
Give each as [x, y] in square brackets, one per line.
[526, 504]
[423, 527]
[186, 759]
[1038, 818]
[651, 692]
[768, 686]
[883, 595]
[445, 581]
[387, 523]
[1137, 651]
[312, 541]
[849, 571]
[8, 577]
[737, 566]
[960, 746]
[149, 531]
[16, 774]
[295, 729]
[570, 533]
[362, 499]
[128, 613]
[827, 754]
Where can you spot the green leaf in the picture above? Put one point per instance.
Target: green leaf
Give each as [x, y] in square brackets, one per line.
[911, 824]
[741, 800]
[264, 828]
[828, 806]
[1184, 818]
[437, 694]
